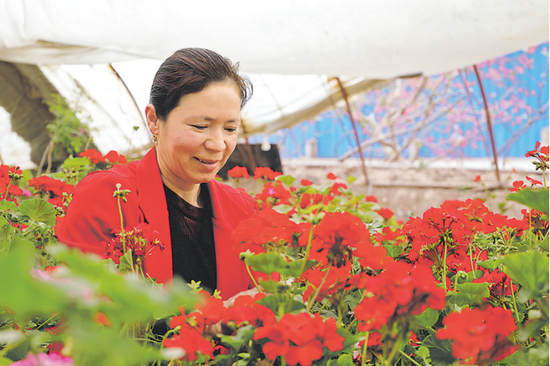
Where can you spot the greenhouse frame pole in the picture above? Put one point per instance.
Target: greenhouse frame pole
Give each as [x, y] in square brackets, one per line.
[345, 95]
[489, 125]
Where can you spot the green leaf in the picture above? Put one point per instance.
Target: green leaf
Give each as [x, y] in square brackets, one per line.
[393, 250]
[272, 303]
[470, 293]
[273, 287]
[345, 360]
[5, 361]
[76, 163]
[286, 179]
[6, 236]
[351, 179]
[38, 210]
[6, 206]
[427, 318]
[537, 199]
[440, 351]
[530, 270]
[490, 264]
[242, 336]
[126, 262]
[544, 244]
[269, 263]
[424, 353]
[20, 291]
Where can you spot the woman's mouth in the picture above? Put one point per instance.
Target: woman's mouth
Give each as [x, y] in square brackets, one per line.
[207, 162]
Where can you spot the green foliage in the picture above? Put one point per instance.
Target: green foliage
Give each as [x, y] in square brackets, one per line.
[286, 179]
[440, 351]
[270, 263]
[537, 199]
[530, 270]
[66, 129]
[469, 294]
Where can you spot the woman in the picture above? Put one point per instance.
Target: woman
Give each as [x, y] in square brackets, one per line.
[193, 115]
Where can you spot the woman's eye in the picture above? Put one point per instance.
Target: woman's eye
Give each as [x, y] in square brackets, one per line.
[198, 127]
[231, 129]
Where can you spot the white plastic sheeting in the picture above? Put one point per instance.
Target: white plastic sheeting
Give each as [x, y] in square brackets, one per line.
[369, 38]
[362, 41]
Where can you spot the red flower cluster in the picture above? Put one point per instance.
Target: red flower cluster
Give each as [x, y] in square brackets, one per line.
[386, 213]
[265, 172]
[480, 336]
[208, 311]
[540, 153]
[238, 172]
[307, 199]
[399, 292]
[266, 228]
[93, 155]
[272, 194]
[115, 158]
[500, 284]
[456, 222]
[112, 157]
[140, 240]
[519, 184]
[335, 189]
[371, 199]
[189, 338]
[300, 338]
[338, 237]
[53, 188]
[7, 173]
[333, 283]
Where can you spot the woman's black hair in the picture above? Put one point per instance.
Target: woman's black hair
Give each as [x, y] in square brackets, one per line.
[190, 70]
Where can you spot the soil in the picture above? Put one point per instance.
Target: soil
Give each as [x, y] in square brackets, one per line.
[410, 191]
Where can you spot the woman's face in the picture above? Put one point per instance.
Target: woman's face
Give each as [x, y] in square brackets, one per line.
[198, 135]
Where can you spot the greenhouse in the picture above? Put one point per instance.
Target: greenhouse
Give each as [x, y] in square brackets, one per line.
[290, 183]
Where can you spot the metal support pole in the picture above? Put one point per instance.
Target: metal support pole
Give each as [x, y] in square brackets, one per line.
[363, 166]
[489, 125]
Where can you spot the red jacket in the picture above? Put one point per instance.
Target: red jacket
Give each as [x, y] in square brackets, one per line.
[93, 213]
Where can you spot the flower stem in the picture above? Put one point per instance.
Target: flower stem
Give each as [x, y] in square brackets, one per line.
[252, 277]
[393, 351]
[364, 353]
[514, 299]
[409, 357]
[312, 301]
[444, 274]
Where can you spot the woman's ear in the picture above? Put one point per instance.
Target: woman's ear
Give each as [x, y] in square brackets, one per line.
[152, 119]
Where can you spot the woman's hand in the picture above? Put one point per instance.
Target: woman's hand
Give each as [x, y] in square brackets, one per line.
[215, 330]
[251, 292]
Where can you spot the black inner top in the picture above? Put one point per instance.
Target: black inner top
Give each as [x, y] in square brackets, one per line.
[193, 250]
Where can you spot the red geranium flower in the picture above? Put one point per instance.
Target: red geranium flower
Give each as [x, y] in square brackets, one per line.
[479, 336]
[371, 199]
[518, 184]
[238, 172]
[266, 228]
[265, 172]
[386, 213]
[93, 155]
[331, 176]
[115, 158]
[306, 182]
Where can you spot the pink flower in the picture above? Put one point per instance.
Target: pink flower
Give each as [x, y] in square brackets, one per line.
[42, 359]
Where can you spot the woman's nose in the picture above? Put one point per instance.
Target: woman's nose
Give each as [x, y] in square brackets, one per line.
[215, 142]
